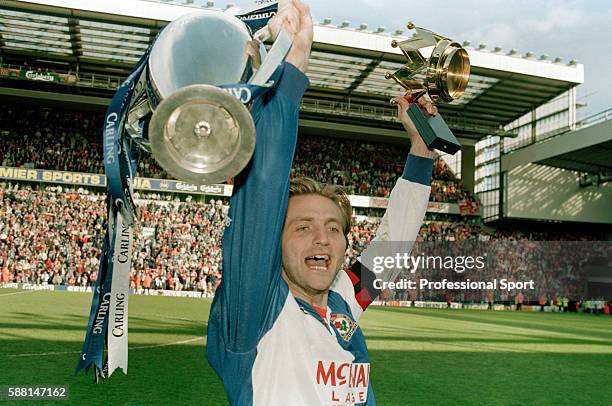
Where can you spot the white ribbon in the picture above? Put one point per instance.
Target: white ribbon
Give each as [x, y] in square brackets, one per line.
[118, 319]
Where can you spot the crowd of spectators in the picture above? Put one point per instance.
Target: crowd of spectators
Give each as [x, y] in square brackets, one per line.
[70, 141]
[366, 168]
[555, 262]
[50, 139]
[54, 236]
[49, 237]
[553, 268]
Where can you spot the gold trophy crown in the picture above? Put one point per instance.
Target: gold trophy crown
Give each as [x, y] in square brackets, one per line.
[443, 76]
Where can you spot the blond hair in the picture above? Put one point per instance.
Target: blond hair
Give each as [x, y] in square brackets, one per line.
[308, 186]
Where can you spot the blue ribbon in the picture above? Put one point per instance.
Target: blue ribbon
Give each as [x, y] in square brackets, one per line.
[120, 161]
[86, 357]
[97, 326]
[259, 17]
[246, 93]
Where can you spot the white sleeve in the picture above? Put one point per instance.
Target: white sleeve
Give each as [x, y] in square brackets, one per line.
[401, 223]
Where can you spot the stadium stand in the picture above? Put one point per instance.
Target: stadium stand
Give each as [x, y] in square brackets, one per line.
[56, 139]
[53, 235]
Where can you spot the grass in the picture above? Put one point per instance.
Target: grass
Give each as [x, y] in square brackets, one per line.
[418, 356]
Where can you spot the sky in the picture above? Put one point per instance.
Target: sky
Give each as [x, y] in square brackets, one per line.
[571, 29]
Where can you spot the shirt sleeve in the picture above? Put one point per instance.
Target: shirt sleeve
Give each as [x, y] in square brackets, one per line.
[249, 294]
[401, 223]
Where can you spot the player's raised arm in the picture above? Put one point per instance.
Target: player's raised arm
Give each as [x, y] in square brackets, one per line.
[408, 200]
[403, 217]
[251, 269]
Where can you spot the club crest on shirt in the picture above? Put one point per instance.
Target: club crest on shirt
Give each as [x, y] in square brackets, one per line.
[344, 325]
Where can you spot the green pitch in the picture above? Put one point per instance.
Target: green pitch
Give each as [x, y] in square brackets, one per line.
[418, 356]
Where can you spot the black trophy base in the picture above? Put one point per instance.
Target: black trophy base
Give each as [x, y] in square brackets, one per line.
[434, 131]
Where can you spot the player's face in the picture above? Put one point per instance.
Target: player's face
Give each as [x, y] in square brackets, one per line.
[313, 244]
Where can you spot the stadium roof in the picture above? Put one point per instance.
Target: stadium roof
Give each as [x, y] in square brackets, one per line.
[586, 149]
[347, 69]
[592, 159]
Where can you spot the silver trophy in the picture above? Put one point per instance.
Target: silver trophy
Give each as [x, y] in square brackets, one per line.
[197, 131]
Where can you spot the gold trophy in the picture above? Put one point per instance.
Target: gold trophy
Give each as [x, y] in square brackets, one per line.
[443, 76]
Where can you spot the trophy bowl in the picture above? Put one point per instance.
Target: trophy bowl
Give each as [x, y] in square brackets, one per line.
[196, 131]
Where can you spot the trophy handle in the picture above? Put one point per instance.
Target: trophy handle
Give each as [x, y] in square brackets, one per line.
[275, 56]
[434, 131]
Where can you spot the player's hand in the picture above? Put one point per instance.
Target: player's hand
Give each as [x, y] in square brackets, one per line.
[294, 16]
[417, 145]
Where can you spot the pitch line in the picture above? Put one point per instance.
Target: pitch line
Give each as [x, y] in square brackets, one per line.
[164, 316]
[142, 347]
[17, 293]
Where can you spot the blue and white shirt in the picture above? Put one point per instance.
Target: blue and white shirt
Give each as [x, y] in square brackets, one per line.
[268, 347]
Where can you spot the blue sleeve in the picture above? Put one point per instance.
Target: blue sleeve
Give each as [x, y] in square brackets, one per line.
[418, 169]
[249, 292]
